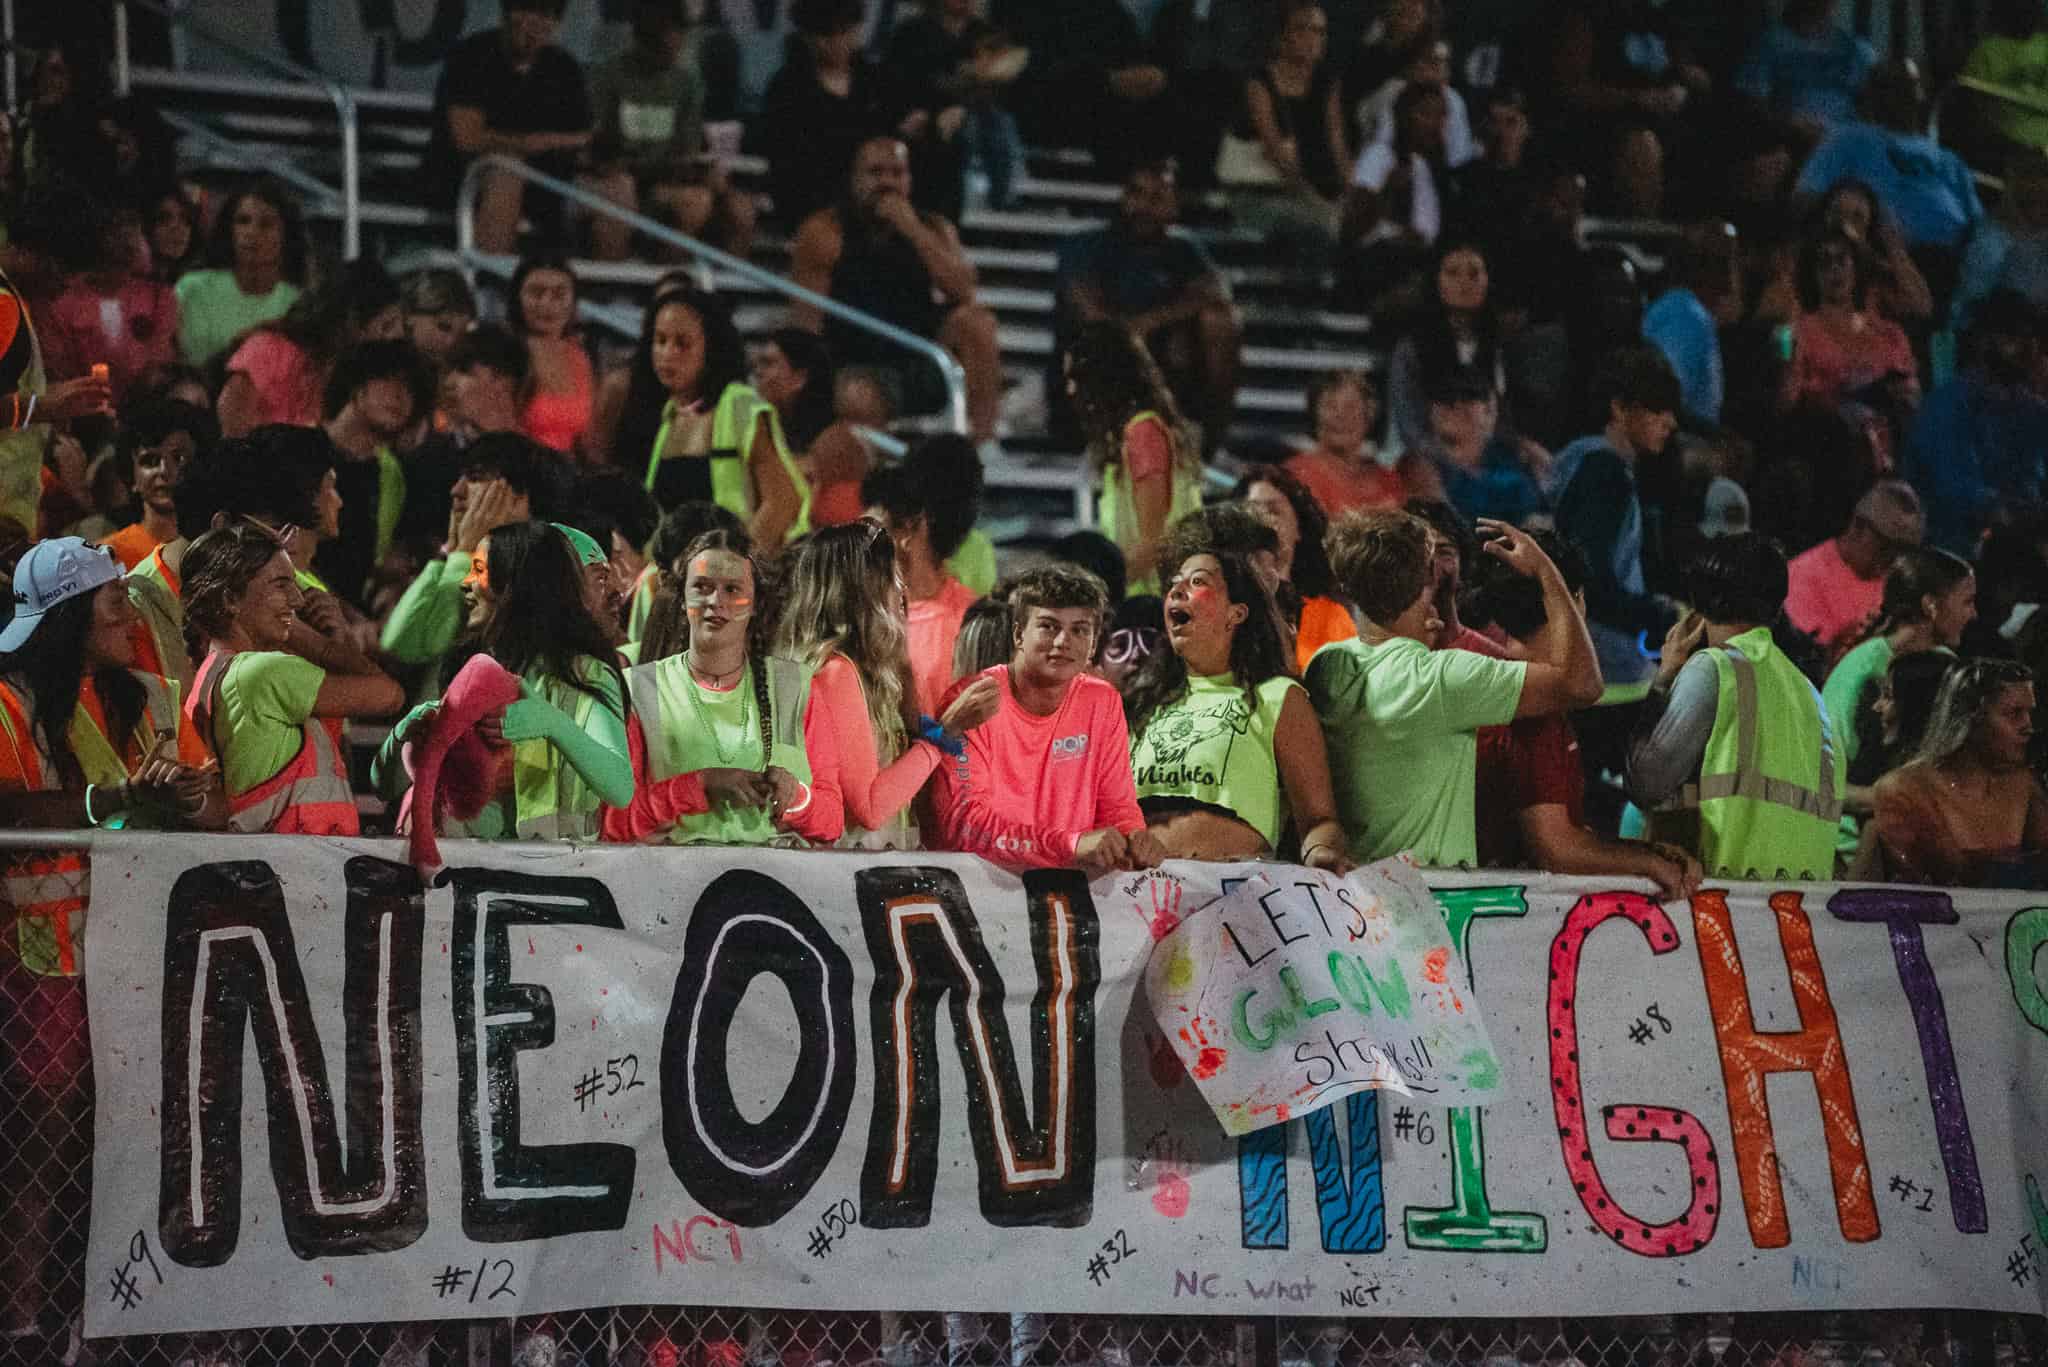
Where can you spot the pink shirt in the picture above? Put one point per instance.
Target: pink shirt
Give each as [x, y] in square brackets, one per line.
[872, 796]
[129, 331]
[1825, 598]
[287, 384]
[1827, 372]
[934, 628]
[1030, 787]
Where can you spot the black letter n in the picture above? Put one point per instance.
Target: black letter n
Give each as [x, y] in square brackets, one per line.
[1035, 1169]
[231, 966]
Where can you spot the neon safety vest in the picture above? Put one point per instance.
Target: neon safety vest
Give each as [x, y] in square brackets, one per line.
[21, 448]
[550, 799]
[679, 741]
[733, 425]
[153, 593]
[309, 796]
[390, 500]
[1769, 798]
[49, 892]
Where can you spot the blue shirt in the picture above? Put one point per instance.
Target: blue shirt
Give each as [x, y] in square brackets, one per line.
[1975, 446]
[1818, 77]
[1680, 327]
[1134, 275]
[1926, 186]
[2000, 259]
[1599, 512]
[1501, 488]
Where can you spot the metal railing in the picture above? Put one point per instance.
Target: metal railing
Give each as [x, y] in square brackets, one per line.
[465, 241]
[338, 94]
[236, 154]
[7, 40]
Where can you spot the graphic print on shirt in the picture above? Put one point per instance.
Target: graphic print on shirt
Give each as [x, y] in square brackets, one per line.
[1191, 747]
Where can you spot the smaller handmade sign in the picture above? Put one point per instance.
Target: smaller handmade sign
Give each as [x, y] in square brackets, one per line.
[1295, 990]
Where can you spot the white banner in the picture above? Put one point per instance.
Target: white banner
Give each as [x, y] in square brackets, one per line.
[563, 1079]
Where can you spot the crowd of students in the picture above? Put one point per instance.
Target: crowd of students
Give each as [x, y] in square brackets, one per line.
[1391, 682]
[1521, 600]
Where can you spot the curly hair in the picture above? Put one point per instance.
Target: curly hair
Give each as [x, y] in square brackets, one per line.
[1059, 587]
[1114, 380]
[1310, 574]
[220, 244]
[1256, 651]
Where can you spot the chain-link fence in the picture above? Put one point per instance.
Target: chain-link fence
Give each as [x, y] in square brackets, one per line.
[46, 1128]
[668, 1336]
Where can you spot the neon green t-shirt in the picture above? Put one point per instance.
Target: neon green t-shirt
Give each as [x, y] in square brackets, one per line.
[2020, 64]
[265, 698]
[1858, 672]
[1401, 722]
[1214, 747]
[974, 564]
[213, 311]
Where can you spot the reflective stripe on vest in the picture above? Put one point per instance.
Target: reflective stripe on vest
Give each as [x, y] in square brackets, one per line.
[163, 619]
[550, 800]
[50, 892]
[1769, 805]
[309, 796]
[740, 410]
[789, 687]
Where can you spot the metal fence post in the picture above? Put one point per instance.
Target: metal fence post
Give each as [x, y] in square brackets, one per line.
[7, 33]
[121, 78]
[489, 1344]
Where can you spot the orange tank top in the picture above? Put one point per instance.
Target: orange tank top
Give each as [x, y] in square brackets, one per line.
[556, 420]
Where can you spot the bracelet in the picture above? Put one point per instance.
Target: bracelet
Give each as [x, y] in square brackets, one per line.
[24, 419]
[930, 729]
[801, 807]
[91, 791]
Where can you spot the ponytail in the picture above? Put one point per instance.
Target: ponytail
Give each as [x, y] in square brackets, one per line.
[1918, 574]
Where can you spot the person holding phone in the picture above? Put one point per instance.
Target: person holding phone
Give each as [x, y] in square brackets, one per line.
[1734, 752]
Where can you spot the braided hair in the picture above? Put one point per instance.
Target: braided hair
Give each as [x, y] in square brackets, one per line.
[668, 628]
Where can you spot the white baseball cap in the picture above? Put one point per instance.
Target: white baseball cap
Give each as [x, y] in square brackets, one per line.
[54, 571]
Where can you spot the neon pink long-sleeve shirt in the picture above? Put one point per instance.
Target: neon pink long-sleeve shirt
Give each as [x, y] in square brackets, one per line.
[872, 795]
[1029, 787]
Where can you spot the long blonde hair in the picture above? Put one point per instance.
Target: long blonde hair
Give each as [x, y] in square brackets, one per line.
[840, 596]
